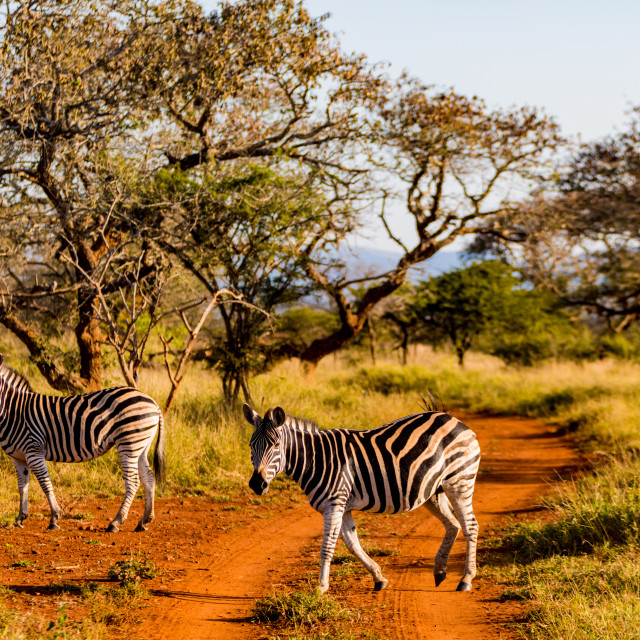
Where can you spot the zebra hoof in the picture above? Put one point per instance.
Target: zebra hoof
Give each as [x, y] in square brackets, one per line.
[141, 527]
[463, 586]
[379, 586]
[18, 524]
[439, 577]
[112, 528]
[52, 526]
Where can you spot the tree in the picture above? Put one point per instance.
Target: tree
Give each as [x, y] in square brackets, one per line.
[251, 231]
[578, 235]
[99, 98]
[452, 161]
[483, 300]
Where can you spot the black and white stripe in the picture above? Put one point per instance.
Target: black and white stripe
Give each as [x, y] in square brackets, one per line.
[428, 459]
[35, 428]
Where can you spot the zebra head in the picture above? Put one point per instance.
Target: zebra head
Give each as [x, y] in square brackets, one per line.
[266, 455]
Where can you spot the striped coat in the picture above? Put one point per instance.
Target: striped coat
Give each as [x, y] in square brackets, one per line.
[428, 459]
[35, 428]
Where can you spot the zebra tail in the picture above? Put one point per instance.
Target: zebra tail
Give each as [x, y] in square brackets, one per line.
[159, 461]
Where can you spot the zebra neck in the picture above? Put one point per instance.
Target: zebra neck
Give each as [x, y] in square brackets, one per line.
[7, 410]
[302, 451]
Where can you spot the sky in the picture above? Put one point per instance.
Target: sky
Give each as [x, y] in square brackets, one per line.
[577, 60]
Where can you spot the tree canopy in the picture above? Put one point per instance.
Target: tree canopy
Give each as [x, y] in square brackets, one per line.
[578, 235]
[152, 155]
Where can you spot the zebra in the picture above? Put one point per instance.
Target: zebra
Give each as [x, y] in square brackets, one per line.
[428, 459]
[35, 428]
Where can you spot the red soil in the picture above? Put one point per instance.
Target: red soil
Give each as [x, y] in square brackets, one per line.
[216, 557]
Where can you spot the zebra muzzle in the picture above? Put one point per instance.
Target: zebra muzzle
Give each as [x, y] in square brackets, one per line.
[259, 485]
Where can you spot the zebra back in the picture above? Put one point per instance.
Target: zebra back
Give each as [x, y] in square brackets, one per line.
[391, 468]
[14, 379]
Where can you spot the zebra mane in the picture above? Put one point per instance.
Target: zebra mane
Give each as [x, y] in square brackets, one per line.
[301, 424]
[14, 379]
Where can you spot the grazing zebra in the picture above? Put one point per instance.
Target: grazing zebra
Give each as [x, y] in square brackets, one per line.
[35, 428]
[428, 458]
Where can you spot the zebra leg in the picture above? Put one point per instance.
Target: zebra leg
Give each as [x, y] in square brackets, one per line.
[332, 517]
[38, 465]
[149, 483]
[131, 484]
[440, 507]
[22, 471]
[350, 537]
[460, 496]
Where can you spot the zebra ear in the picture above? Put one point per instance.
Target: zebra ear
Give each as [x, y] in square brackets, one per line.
[279, 416]
[250, 415]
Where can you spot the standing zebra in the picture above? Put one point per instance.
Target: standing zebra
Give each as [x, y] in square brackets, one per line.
[427, 458]
[35, 428]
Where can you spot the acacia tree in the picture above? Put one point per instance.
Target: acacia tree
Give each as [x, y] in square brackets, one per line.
[483, 299]
[99, 98]
[452, 161]
[249, 230]
[579, 235]
[64, 76]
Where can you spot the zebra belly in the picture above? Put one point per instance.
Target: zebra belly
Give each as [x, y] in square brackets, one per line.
[61, 456]
[386, 505]
[14, 452]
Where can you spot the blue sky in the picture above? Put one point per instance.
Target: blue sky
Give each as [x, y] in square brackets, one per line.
[578, 60]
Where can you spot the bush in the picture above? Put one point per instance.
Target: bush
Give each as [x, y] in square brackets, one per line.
[392, 379]
[132, 571]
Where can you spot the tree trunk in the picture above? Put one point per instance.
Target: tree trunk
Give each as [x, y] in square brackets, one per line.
[41, 355]
[404, 345]
[89, 338]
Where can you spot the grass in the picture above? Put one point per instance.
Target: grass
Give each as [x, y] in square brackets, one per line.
[303, 615]
[598, 401]
[308, 615]
[132, 571]
[108, 608]
[298, 608]
[580, 572]
[600, 510]
[586, 597]
[576, 569]
[207, 448]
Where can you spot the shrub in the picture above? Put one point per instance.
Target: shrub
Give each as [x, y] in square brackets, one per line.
[132, 571]
[297, 607]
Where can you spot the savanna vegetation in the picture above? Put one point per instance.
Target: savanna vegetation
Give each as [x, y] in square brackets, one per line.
[177, 190]
[581, 562]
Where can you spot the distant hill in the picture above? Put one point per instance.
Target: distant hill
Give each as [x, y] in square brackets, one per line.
[370, 261]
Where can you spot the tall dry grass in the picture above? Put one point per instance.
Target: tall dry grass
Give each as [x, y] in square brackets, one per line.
[207, 440]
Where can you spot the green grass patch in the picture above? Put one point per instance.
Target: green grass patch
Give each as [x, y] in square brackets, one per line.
[588, 597]
[23, 564]
[579, 573]
[296, 608]
[115, 607]
[132, 571]
[600, 510]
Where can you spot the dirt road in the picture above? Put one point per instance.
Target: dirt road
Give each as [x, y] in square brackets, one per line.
[216, 557]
